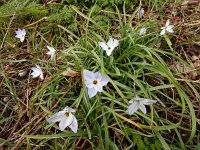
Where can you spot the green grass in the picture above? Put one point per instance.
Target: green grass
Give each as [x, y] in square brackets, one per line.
[140, 65]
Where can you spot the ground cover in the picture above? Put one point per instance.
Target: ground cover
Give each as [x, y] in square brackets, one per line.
[144, 65]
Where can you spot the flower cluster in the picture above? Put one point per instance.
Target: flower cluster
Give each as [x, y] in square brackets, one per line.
[93, 81]
[166, 28]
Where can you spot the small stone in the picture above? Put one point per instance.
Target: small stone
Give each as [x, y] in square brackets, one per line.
[194, 58]
[22, 73]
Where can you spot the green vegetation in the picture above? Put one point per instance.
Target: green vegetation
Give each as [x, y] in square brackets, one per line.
[156, 67]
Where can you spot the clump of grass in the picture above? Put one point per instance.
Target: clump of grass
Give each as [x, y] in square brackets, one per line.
[139, 66]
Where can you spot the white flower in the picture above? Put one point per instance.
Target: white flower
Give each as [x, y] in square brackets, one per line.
[141, 13]
[37, 71]
[143, 31]
[109, 46]
[65, 119]
[20, 34]
[94, 82]
[167, 28]
[51, 52]
[139, 103]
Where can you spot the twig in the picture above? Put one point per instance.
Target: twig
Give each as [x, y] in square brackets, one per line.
[193, 24]
[196, 81]
[35, 22]
[16, 124]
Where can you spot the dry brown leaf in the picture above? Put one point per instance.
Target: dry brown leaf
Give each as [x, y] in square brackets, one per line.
[71, 73]
[191, 2]
[182, 68]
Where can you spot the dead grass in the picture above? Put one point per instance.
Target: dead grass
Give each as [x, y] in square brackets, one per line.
[16, 92]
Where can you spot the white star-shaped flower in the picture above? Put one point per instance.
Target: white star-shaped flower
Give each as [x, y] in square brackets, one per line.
[20, 34]
[141, 13]
[94, 82]
[51, 52]
[167, 28]
[109, 46]
[65, 119]
[139, 103]
[143, 31]
[37, 72]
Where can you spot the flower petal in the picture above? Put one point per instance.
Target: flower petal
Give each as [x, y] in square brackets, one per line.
[110, 42]
[66, 121]
[115, 43]
[52, 56]
[74, 125]
[98, 87]
[103, 45]
[142, 108]
[97, 76]
[143, 31]
[92, 92]
[131, 101]
[109, 52]
[40, 71]
[167, 23]
[36, 72]
[23, 31]
[162, 32]
[141, 13]
[135, 99]
[68, 109]
[162, 28]
[20, 34]
[169, 29]
[22, 38]
[89, 83]
[17, 31]
[89, 75]
[41, 76]
[51, 49]
[148, 101]
[55, 118]
[132, 108]
[104, 81]
[51, 52]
